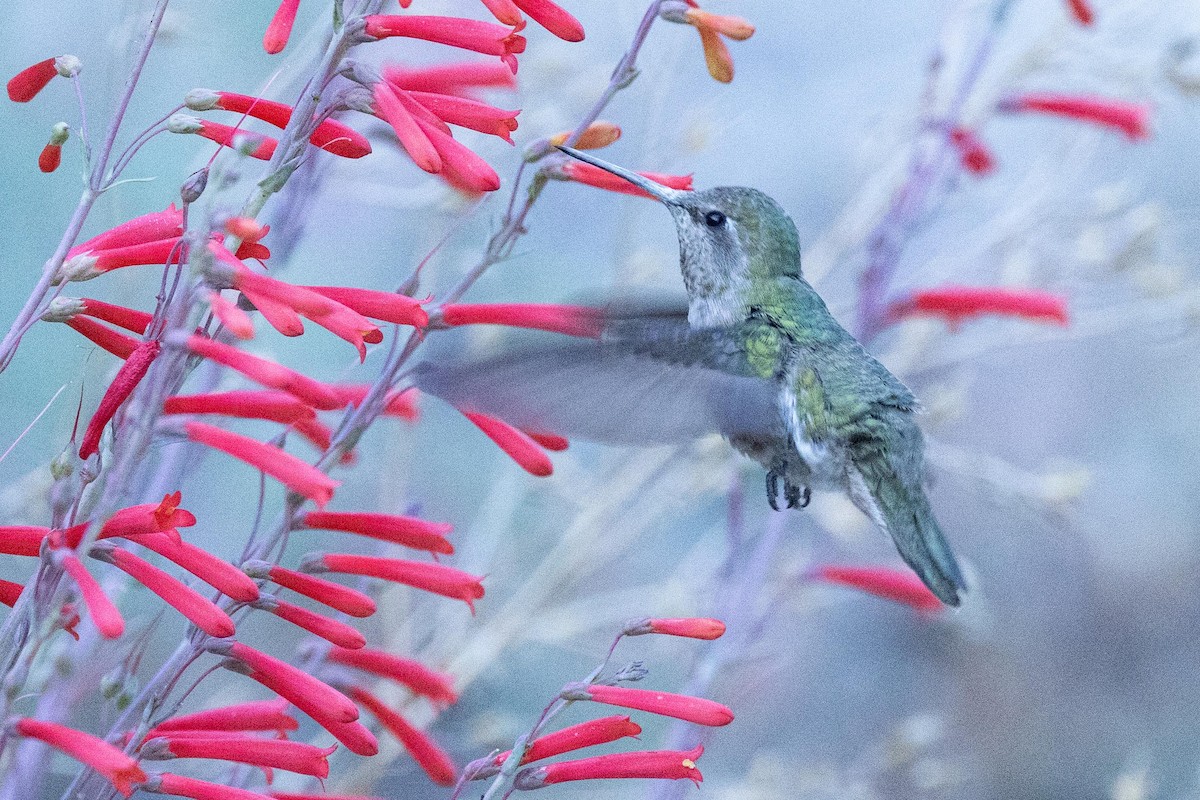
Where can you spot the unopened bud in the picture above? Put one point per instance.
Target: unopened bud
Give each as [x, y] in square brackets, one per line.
[68, 66]
[599, 134]
[201, 99]
[194, 186]
[184, 123]
[59, 134]
[62, 309]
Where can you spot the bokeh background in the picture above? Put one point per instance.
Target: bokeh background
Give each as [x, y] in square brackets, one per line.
[1064, 459]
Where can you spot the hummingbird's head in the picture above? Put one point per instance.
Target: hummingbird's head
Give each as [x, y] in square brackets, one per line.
[731, 239]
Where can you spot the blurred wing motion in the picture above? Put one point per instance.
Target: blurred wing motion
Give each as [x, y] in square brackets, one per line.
[650, 379]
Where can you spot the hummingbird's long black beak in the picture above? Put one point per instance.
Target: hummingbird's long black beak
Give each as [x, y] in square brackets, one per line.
[656, 190]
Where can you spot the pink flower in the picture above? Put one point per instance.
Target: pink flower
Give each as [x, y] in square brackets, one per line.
[1132, 119]
[553, 18]
[235, 320]
[690, 627]
[388, 306]
[197, 608]
[276, 37]
[221, 575]
[274, 406]
[669, 764]
[304, 759]
[167, 224]
[692, 709]
[520, 446]
[179, 786]
[257, 715]
[126, 380]
[435, 578]
[328, 707]
[468, 113]
[1082, 11]
[26, 84]
[93, 263]
[972, 152]
[105, 338]
[338, 597]
[407, 531]
[128, 318]
[419, 679]
[149, 518]
[468, 34]
[104, 614]
[9, 592]
[267, 373]
[900, 586]
[549, 441]
[331, 630]
[457, 79]
[576, 737]
[22, 540]
[581, 321]
[117, 768]
[594, 176]
[424, 750]
[957, 303]
[461, 167]
[254, 145]
[299, 476]
[293, 796]
[331, 135]
[410, 135]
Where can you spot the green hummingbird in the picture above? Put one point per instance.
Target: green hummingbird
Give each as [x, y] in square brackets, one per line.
[755, 356]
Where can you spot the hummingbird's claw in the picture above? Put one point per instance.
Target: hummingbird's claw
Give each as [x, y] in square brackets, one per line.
[797, 496]
[773, 489]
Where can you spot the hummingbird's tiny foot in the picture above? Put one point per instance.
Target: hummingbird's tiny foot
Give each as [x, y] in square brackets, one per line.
[802, 498]
[791, 493]
[773, 489]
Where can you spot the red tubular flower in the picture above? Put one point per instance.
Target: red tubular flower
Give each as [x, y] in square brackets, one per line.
[319, 700]
[418, 678]
[331, 135]
[690, 627]
[461, 167]
[1132, 119]
[276, 37]
[468, 113]
[254, 145]
[197, 608]
[411, 532]
[711, 28]
[299, 476]
[594, 176]
[93, 263]
[669, 764]
[179, 786]
[221, 575]
[387, 306]
[104, 614]
[51, 156]
[127, 378]
[304, 759]
[679, 706]
[572, 320]
[22, 540]
[899, 586]
[293, 796]
[576, 737]
[424, 750]
[457, 79]
[267, 373]
[9, 592]
[258, 715]
[117, 768]
[468, 34]
[400, 402]
[972, 152]
[553, 18]
[25, 85]
[411, 136]
[274, 406]
[236, 320]
[355, 737]
[166, 224]
[149, 518]
[519, 446]
[128, 318]
[1082, 11]
[435, 578]
[505, 11]
[338, 597]
[957, 303]
[105, 338]
[269, 293]
[330, 630]
[549, 441]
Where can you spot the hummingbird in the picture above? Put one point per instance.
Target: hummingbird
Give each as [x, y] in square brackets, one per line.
[755, 355]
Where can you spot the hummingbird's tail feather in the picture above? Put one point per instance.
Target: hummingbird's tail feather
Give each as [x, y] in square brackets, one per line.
[899, 506]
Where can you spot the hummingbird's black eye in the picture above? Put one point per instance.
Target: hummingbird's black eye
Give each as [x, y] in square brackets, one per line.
[714, 219]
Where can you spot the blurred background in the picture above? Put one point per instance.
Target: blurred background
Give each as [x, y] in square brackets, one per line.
[1064, 467]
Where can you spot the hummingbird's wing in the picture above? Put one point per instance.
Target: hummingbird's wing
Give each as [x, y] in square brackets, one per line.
[650, 379]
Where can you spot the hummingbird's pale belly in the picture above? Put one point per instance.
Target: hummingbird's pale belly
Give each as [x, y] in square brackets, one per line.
[816, 464]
